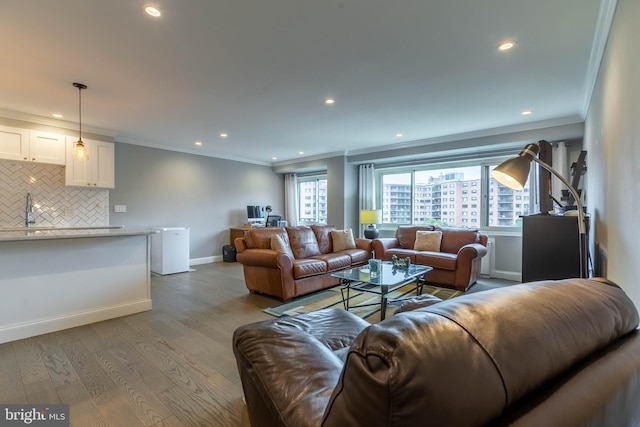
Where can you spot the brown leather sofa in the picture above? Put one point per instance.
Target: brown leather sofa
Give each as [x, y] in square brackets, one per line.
[551, 353]
[306, 268]
[455, 265]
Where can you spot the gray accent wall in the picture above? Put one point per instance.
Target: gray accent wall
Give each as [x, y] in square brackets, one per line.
[208, 195]
[612, 141]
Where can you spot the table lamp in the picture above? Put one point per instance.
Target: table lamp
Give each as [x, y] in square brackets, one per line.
[371, 217]
[513, 173]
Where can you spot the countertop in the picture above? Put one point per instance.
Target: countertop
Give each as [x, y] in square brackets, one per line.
[46, 233]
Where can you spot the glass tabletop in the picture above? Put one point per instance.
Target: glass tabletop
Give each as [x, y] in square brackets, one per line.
[389, 275]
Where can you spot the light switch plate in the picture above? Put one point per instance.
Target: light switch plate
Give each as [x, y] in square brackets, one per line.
[119, 208]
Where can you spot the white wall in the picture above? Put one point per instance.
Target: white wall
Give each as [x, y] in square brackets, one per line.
[208, 195]
[612, 141]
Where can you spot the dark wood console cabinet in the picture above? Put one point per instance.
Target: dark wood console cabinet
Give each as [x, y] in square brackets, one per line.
[550, 247]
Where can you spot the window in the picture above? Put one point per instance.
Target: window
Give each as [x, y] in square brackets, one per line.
[414, 195]
[312, 196]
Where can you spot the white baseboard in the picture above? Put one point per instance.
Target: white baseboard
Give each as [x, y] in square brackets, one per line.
[205, 260]
[45, 326]
[507, 275]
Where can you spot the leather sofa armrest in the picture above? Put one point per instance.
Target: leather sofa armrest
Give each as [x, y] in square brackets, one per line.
[240, 244]
[264, 258]
[381, 245]
[289, 356]
[415, 303]
[471, 251]
[364, 244]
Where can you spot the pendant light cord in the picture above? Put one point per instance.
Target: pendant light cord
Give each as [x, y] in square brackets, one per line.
[80, 86]
[80, 111]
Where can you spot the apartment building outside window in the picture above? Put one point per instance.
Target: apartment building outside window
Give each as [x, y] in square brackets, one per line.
[312, 200]
[417, 196]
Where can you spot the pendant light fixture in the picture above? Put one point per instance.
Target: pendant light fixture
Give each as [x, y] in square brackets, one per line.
[79, 149]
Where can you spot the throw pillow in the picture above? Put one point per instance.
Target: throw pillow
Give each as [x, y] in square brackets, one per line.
[342, 239]
[279, 245]
[428, 241]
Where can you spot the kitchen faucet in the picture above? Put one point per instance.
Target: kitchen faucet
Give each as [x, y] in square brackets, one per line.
[28, 217]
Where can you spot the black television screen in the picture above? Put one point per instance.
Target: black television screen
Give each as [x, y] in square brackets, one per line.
[255, 212]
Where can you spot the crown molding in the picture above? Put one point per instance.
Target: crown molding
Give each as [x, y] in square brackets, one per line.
[603, 27]
[48, 121]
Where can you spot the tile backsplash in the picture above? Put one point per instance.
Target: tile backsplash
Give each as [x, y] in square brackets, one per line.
[55, 204]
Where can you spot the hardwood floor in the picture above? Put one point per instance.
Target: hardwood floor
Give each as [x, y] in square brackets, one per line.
[171, 366]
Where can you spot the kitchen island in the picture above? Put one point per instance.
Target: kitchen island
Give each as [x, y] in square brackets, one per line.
[53, 279]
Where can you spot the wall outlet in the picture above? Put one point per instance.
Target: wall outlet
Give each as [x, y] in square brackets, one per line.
[119, 208]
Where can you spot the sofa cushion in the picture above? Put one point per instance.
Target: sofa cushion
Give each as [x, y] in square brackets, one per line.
[358, 256]
[278, 244]
[260, 238]
[303, 242]
[406, 234]
[428, 240]
[400, 253]
[342, 239]
[335, 261]
[455, 238]
[308, 267]
[437, 260]
[323, 237]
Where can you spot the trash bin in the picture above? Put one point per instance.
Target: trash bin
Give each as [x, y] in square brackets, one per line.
[229, 253]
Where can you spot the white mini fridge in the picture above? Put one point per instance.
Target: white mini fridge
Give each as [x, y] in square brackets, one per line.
[170, 250]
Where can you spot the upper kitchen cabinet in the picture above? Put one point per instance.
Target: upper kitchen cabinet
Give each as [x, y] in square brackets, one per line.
[97, 171]
[45, 147]
[31, 146]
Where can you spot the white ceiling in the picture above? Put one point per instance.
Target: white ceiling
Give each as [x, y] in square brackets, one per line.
[260, 70]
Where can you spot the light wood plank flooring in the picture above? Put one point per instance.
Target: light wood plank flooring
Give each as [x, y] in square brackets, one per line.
[172, 366]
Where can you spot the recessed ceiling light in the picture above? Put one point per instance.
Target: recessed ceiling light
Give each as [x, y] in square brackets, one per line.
[223, 135]
[152, 11]
[57, 116]
[527, 112]
[274, 158]
[329, 101]
[198, 143]
[399, 135]
[301, 152]
[506, 45]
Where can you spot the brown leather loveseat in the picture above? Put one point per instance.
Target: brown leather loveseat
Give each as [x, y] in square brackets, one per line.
[301, 263]
[455, 261]
[551, 353]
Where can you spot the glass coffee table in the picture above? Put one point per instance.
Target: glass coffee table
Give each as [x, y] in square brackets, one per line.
[388, 280]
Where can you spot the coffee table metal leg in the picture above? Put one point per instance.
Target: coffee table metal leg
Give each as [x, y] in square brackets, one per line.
[346, 285]
[383, 302]
[420, 282]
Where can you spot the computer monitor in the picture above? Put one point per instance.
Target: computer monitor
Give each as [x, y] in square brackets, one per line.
[273, 220]
[255, 213]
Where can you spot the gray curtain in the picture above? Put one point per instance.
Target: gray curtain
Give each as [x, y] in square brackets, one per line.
[291, 199]
[366, 189]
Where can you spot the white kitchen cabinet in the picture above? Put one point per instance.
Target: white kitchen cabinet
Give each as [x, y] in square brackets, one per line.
[14, 143]
[97, 171]
[46, 147]
[31, 146]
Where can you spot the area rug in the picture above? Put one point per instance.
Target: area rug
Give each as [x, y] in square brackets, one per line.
[333, 298]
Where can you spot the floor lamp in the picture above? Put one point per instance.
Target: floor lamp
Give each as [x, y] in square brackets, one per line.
[513, 173]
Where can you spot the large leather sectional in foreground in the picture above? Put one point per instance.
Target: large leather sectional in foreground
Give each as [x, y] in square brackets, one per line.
[552, 353]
